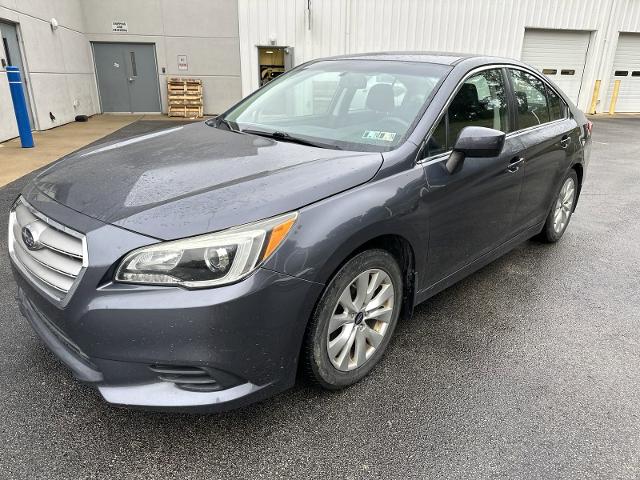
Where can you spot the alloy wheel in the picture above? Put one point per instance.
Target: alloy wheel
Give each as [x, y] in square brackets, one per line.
[360, 319]
[564, 205]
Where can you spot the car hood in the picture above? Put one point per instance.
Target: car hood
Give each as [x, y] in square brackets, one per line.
[195, 179]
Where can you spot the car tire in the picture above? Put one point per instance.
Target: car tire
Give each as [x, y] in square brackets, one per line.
[350, 330]
[561, 210]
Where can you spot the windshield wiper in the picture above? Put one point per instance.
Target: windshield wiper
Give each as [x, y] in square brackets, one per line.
[285, 137]
[220, 120]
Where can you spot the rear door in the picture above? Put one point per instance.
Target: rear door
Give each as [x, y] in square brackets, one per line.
[471, 210]
[549, 139]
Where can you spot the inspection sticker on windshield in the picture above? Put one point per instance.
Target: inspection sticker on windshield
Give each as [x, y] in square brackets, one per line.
[376, 135]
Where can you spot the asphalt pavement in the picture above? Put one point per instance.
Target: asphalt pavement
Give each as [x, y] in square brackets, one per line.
[530, 368]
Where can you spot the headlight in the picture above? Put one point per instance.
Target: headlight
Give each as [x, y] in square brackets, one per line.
[206, 260]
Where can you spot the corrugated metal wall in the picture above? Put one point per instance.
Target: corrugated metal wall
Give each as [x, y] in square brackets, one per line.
[493, 27]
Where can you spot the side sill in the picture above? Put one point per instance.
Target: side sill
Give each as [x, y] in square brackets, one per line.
[477, 264]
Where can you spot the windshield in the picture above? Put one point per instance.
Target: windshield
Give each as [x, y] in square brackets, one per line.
[349, 104]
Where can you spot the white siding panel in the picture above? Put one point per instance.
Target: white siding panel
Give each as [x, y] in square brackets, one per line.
[630, 21]
[493, 27]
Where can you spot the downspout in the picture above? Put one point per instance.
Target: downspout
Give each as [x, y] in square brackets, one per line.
[604, 68]
[347, 27]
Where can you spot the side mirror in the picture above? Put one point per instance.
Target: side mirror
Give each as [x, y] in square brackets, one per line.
[475, 142]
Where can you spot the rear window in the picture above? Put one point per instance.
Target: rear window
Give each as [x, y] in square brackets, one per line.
[557, 108]
[531, 99]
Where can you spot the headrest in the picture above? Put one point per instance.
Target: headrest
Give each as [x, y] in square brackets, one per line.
[380, 98]
[523, 102]
[466, 96]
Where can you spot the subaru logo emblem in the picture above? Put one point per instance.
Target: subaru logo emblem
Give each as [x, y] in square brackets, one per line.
[30, 238]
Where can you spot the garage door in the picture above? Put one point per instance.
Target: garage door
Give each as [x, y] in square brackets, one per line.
[626, 68]
[559, 54]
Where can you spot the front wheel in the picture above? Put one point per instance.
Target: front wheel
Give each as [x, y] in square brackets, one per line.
[562, 209]
[354, 320]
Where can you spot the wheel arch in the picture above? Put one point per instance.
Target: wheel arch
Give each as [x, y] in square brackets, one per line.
[579, 169]
[401, 249]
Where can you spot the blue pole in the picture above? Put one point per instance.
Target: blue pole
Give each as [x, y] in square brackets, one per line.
[20, 106]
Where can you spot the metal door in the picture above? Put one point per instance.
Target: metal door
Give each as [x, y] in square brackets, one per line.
[127, 77]
[12, 56]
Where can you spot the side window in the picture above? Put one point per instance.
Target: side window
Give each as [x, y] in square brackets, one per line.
[438, 140]
[557, 109]
[482, 102]
[531, 99]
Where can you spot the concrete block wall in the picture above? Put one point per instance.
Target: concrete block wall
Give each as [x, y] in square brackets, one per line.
[59, 63]
[60, 77]
[204, 30]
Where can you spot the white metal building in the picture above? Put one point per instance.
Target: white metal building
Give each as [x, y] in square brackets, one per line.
[576, 42]
[236, 45]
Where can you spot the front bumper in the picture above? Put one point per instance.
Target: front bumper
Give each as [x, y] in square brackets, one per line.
[250, 332]
[246, 336]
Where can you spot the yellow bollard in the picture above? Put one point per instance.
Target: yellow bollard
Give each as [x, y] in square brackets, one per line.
[614, 97]
[594, 98]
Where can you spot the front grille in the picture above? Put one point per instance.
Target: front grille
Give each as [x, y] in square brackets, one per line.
[57, 254]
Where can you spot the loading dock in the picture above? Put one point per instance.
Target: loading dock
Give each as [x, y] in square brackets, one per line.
[626, 68]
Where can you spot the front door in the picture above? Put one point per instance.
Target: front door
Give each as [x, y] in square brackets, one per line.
[127, 77]
[12, 57]
[471, 210]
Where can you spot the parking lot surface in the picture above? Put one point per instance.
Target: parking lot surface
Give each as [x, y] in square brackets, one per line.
[530, 368]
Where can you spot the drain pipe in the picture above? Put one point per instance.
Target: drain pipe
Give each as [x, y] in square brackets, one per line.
[347, 27]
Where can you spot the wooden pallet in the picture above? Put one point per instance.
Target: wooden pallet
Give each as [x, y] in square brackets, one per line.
[185, 97]
[184, 90]
[185, 111]
[179, 103]
[186, 86]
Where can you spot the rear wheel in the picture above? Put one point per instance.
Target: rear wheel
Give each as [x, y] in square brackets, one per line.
[561, 210]
[354, 320]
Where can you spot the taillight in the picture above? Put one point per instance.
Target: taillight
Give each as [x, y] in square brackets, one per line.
[589, 127]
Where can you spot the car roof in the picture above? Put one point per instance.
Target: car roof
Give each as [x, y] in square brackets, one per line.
[443, 58]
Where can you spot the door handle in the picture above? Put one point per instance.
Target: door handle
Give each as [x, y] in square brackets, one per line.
[131, 79]
[514, 164]
[566, 140]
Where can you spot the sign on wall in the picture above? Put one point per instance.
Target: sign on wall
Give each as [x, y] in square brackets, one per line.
[182, 62]
[119, 26]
